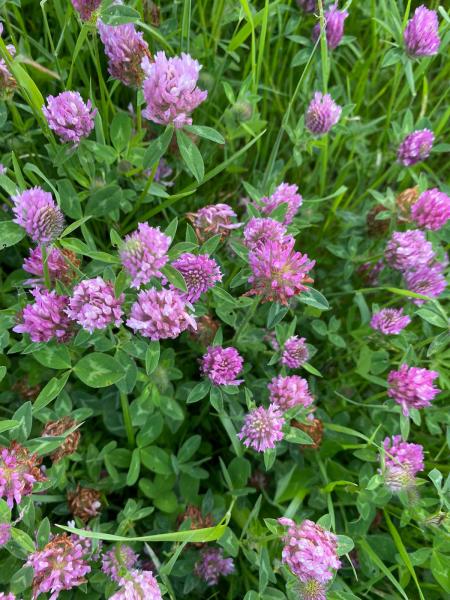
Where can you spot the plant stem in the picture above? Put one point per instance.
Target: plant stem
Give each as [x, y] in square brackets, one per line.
[45, 267]
[127, 419]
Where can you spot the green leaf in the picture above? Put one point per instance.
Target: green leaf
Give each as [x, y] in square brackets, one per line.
[135, 467]
[174, 277]
[171, 228]
[98, 370]
[24, 416]
[8, 424]
[152, 357]
[23, 539]
[374, 558]
[198, 392]
[157, 148]
[2, 372]
[191, 155]
[205, 132]
[189, 448]
[297, 436]
[118, 14]
[10, 234]
[439, 567]
[120, 131]
[314, 298]
[50, 391]
[53, 356]
[157, 460]
[74, 226]
[345, 545]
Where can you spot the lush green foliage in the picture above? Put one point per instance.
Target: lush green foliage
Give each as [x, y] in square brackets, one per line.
[155, 436]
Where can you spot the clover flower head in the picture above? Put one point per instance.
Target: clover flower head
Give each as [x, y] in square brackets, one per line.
[322, 114]
[19, 471]
[402, 462]
[431, 210]
[212, 565]
[295, 352]
[86, 8]
[262, 428]
[118, 561]
[212, 220]
[144, 253]
[94, 305]
[258, 231]
[409, 250]
[390, 321]
[286, 392]
[421, 35]
[412, 387]
[138, 585]
[284, 194]
[200, 273]
[36, 211]
[5, 533]
[69, 116]
[222, 365]
[45, 319]
[415, 147]
[427, 280]
[334, 26]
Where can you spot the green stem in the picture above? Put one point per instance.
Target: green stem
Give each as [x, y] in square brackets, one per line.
[45, 267]
[127, 419]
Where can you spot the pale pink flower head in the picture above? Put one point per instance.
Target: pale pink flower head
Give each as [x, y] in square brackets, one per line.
[60, 565]
[262, 428]
[170, 89]
[284, 194]
[138, 585]
[286, 392]
[222, 365]
[212, 565]
[295, 352]
[94, 305]
[144, 253]
[390, 321]
[45, 319]
[118, 561]
[69, 116]
[412, 387]
[428, 280]
[86, 8]
[334, 26]
[5, 533]
[160, 314]
[409, 250]
[402, 462]
[415, 147]
[278, 271]
[322, 114]
[258, 231]
[125, 49]
[36, 211]
[19, 471]
[200, 273]
[421, 35]
[431, 210]
[212, 220]
[310, 551]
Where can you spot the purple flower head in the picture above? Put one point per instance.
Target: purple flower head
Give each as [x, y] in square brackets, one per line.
[125, 48]
[118, 561]
[5, 533]
[284, 194]
[334, 26]
[37, 213]
[262, 428]
[390, 321]
[370, 271]
[428, 280]
[310, 551]
[19, 471]
[431, 210]
[412, 387]
[258, 231]
[421, 35]
[163, 171]
[57, 264]
[5, 596]
[69, 116]
[144, 253]
[408, 250]
[278, 271]
[170, 89]
[160, 314]
[59, 566]
[295, 352]
[307, 5]
[138, 585]
[415, 147]
[402, 462]
[286, 392]
[45, 319]
[212, 564]
[222, 365]
[94, 305]
[86, 7]
[200, 273]
[322, 114]
[212, 220]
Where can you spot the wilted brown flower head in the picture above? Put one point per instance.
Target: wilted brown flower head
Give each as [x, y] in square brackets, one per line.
[377, 227]
[405, 200]
[315, 431]
[207, 327]
[259, 480]
[84, 503]
[57, 428]
[197, 520]
[27, 391]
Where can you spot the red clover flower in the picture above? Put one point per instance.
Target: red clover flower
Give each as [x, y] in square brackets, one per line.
[19, 471]
[45, 319]
[402, 462]
[390, 321]
[94, 305]
[409, 250]
[412, 387]
[144, 253]
[322, 114]
[415, 147]
[295, 352]
[69, 116]
[86, 8]
[427, 280]
[222, 365]
[334, 26]
[431, 210]
[286, 392]
[138, 585]
[200, 273]
[421, 35]
[212, 565]
[284, 194]
[262, 428]
[119, 560]
[38, 214]
[258, 231]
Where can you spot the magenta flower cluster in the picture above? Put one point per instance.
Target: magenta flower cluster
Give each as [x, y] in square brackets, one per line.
[310, 551]
[409, 250]
[69, 116]
[428, 281]
[334, 26]
[290, 391]
[212, 564]
[57, 264]
[94, 305]
[415, 147]
[118, 561]
[222, 365]
[86, 8]
[200, 273]
[170, 89]
[258, 231]
[214, 219]
[295, 352]
[421, 35]
[125, 49]
[36, 211]
[46, 318]
[322, 114]
[431, 210]
[390, 321]
[144, 253]
[402, 461]
[412, 387]
[138, 585]
[160, 314]
[284, 194]
[262, 428]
